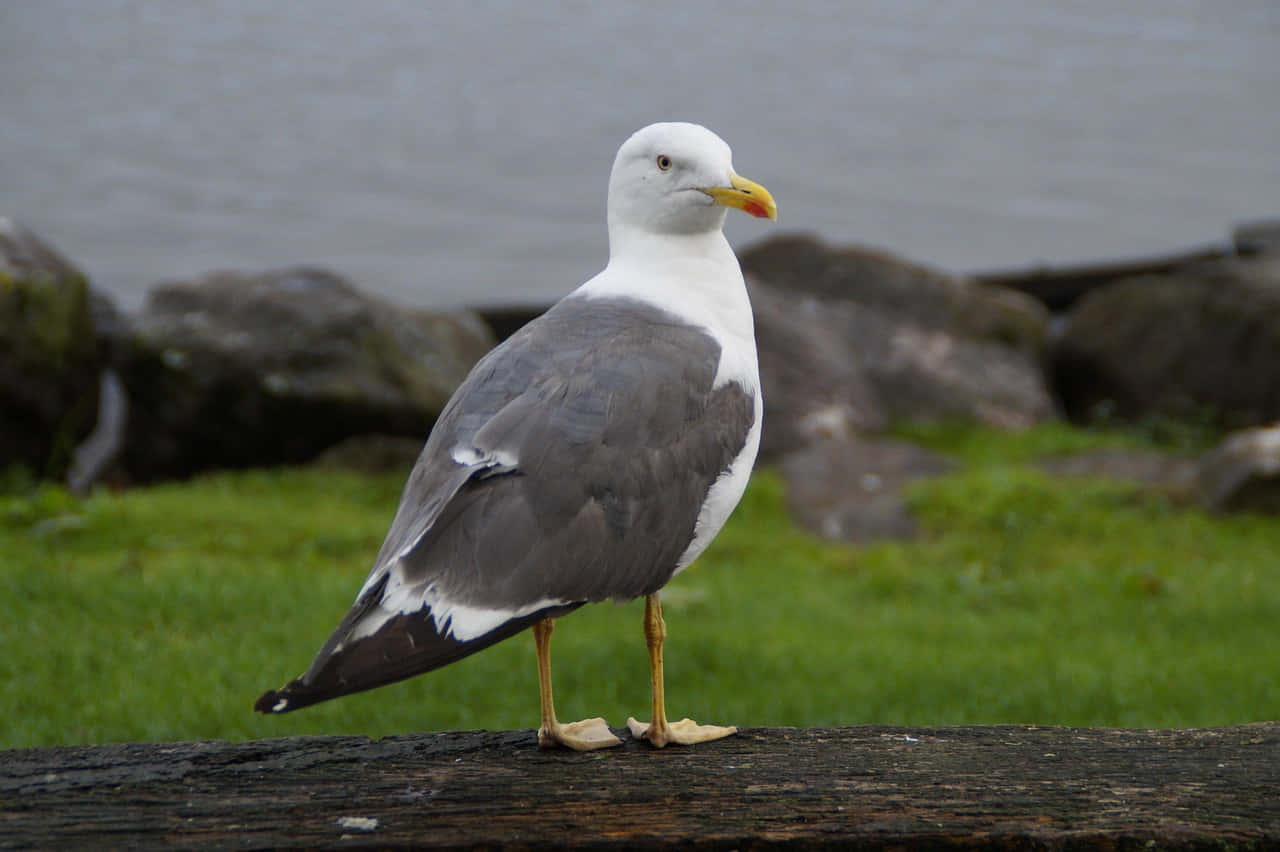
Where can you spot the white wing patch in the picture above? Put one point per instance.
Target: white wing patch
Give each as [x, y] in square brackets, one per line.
[461, 621]
[469, 456]
[466, 456]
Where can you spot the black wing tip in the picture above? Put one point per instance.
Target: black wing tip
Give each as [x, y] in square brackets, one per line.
[288, 698]
[273, 701]
[294, 695]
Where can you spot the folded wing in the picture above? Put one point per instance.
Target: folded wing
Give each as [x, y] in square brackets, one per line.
[569, 467]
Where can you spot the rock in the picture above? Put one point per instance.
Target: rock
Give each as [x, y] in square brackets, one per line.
[373, 454]
[1059, 287]
[1202, 343]
[506, 320]
[1262, 236]
[49, 357]
[1168, 475]
[236, 370]
[926, 374]
[912, 294]
[834, 366]
[813, 383]
[1242, 474]
[852, 490]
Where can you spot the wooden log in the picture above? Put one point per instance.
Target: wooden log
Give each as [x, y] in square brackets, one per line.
[869, 787]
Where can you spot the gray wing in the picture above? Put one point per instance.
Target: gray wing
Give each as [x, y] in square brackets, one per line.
[569, 467]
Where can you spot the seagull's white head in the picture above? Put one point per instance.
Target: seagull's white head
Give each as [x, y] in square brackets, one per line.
[678, 178]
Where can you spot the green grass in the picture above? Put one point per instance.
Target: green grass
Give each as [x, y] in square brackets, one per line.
[161, 613]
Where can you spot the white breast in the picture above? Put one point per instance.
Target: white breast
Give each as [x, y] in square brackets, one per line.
[724, 494]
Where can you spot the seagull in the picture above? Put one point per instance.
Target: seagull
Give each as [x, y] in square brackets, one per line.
[591, 456]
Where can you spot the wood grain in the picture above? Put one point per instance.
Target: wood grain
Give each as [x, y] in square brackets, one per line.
[1004, 787]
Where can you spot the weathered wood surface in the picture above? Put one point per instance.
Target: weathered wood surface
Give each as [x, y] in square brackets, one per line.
[871, 787]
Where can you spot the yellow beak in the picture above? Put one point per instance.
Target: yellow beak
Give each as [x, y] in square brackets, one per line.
[745, 195]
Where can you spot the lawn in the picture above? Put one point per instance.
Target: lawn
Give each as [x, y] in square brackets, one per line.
[161, 613]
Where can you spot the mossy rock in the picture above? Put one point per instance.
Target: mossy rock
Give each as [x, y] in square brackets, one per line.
[1200, 344]
[49, 356]
[256, 369]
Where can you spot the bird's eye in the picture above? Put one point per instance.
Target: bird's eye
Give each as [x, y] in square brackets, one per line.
[664, 162]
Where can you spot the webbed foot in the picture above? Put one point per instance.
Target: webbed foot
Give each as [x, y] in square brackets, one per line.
[684, 732]
[587, 735]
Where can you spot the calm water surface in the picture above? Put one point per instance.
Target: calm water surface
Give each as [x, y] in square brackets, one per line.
[457, 153]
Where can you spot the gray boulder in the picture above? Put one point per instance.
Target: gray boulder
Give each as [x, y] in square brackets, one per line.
[1202, 343]
[811, 376]
[49, 357]
[851, 340]
[853, 490]
[372, 453]
[932, 374]
[1162, 474]
[237, 370]
[1242, 474]
[894, 287]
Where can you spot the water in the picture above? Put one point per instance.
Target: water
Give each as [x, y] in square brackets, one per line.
[456, 153]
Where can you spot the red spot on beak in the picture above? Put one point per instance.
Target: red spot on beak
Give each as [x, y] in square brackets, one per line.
[756, 210]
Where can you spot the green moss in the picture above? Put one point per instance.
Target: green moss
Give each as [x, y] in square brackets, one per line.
[47, 322]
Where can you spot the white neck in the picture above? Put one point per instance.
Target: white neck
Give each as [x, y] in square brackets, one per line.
[695, 276]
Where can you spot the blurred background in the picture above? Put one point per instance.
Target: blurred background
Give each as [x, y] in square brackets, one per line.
[450, 154]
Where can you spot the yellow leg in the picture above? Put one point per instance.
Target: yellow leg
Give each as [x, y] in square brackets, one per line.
[659, 731]
[581, 736]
